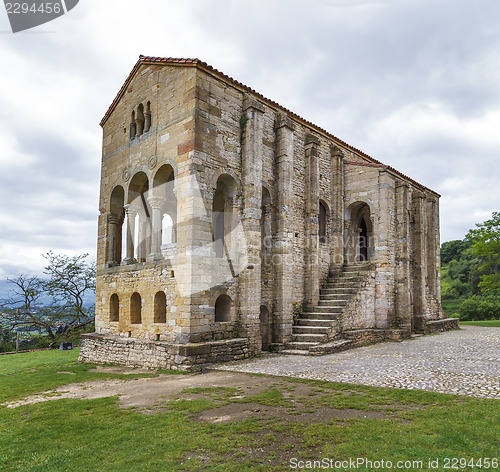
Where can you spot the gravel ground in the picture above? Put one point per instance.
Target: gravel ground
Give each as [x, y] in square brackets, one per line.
[464, 362]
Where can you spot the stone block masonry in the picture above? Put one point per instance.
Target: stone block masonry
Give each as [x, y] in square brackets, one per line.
[222, 215]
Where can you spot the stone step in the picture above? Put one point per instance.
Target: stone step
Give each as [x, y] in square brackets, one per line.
[330, 347]
[310, 329]
[334, 302]
[295, 352]
[314, 315]
[312, 322]
[309, 338]
[329, 309]
[333, 298]
[333, 290]
[341, 284]
[300, 346]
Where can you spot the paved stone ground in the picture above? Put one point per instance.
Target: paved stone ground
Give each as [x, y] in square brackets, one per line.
[465, 362]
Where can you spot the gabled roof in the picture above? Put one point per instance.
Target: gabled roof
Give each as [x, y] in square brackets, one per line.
[244, 88]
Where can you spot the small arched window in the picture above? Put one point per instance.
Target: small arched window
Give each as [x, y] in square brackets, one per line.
[160, 308]
[132, 126]
[139, 119]
[322, 222]
[147, 118]
[114, 308]
[135, 309]
[223, 308]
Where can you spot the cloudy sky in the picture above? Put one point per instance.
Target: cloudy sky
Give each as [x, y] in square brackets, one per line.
[413, 83]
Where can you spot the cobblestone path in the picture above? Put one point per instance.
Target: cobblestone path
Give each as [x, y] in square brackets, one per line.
[465, 362]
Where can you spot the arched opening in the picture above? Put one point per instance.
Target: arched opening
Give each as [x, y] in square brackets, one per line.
[359, 246]
[265, 328]
[223, 221]
[116, 217]
[164, 204]
[139, 119]
[322, 222]
[114, 308]
[135, 309]
[160, 307]
[147, 117]
[166, 229]
[132, 126]
[138, 219]
[223, 308]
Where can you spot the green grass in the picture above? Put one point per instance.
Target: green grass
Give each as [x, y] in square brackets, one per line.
[96, 435]
[486, 323]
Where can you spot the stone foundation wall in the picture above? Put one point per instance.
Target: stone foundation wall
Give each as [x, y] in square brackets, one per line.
[362, 337]
[360, 311]
[441, 325]
[103, 349]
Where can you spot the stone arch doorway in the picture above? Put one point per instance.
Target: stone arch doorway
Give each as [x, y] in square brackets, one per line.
[265, 328]
[359, 233]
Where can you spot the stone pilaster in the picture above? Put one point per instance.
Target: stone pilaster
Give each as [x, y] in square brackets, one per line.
[384, 239]
[403, 259]
[433, 263]
[283, 251]
[156, 204]
[337, 210]
[419, 260]
[311, 262]
[250, 277]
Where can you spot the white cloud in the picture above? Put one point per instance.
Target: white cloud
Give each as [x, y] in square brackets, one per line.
[415, 84]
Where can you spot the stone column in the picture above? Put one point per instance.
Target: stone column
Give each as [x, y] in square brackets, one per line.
[311, 273]
[250, 277]
[283, 250]
[419, 260]
[403, 260]
[337, 244]
[156, 204]
[112, 220]
[131, 213]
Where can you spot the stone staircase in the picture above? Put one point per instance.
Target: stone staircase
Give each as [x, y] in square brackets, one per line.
[317, 331]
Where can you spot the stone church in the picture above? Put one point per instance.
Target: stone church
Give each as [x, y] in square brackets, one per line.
[230, 226]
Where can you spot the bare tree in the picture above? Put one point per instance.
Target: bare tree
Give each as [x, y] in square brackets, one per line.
[56, 305]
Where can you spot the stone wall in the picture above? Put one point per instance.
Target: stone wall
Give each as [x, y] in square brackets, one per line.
[103, 349]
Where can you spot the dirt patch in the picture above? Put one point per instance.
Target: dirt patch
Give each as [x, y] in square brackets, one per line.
[221, 397]
[240, 412]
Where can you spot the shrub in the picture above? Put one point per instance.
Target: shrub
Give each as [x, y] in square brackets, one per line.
[478, 308]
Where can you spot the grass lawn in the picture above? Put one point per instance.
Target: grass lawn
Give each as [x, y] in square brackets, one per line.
[486, 323]
[292, 418]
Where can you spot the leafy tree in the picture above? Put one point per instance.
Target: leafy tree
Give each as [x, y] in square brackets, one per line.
[70, 280]
[451, 250]
[486, 246]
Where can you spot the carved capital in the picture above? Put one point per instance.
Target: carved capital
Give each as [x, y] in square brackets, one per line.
[113, 218]
[131, 210]
[156, 202]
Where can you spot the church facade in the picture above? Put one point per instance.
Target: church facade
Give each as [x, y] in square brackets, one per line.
[229, 225]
